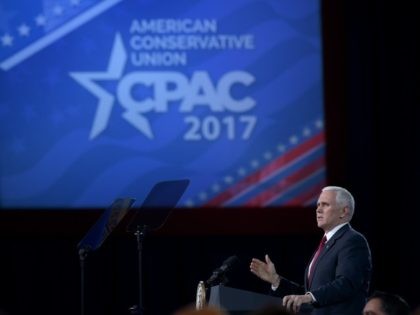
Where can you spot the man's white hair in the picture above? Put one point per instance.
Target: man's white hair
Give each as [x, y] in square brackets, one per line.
[343, 197]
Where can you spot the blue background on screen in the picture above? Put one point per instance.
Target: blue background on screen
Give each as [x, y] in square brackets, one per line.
[102, 99]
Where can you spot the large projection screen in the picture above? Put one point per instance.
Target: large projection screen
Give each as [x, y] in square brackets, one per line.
[102, 99]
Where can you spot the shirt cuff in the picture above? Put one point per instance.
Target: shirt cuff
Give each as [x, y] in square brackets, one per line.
[312, 296]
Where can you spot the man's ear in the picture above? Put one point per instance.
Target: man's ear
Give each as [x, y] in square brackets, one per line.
[344, 212]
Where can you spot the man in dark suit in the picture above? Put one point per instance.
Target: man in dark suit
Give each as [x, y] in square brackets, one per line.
[338, 275]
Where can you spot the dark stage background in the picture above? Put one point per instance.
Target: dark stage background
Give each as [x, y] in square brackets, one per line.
[371, 78]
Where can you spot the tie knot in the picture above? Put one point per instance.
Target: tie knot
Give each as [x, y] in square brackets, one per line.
[323, 241]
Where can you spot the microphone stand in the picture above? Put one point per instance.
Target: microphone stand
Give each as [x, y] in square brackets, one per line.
[140, 234]
[224, 280]
[82, 257]
[219, 280]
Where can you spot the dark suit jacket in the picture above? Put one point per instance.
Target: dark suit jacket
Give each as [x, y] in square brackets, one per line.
[341, 276]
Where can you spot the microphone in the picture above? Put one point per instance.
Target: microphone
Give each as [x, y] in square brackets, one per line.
[219, 274]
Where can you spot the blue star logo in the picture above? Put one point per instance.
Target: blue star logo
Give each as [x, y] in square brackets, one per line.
[106, 100]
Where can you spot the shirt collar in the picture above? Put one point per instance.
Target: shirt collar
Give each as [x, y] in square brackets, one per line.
[334, 230]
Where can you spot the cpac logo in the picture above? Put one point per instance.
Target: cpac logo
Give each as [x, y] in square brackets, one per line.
[168, 86]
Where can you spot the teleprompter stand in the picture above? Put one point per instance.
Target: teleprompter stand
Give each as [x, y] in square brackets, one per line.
[98, 234]
[153, 213]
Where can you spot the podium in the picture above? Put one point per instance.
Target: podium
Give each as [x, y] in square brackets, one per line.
[242, 302]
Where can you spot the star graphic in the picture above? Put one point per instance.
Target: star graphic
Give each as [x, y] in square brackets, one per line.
[7, 40]
[24, 30]
[40, 20]
[115, 69]
[58, 10]
[74, 2]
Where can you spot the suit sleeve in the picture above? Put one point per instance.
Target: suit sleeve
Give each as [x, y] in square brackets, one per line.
[287, 287]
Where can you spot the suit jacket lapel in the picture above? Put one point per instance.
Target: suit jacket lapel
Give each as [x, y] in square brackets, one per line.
[331, 242]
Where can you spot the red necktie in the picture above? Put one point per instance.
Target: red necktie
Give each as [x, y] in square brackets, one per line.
[318, 252]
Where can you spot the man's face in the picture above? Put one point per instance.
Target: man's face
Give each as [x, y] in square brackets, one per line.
[373, 307]
[328, 212]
